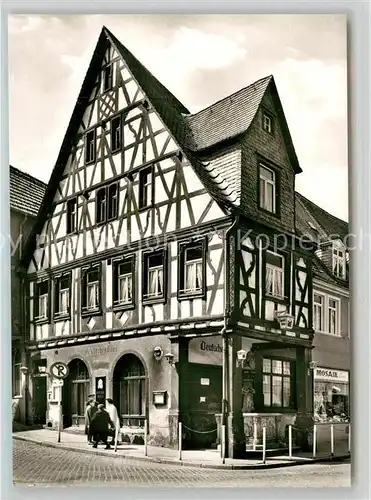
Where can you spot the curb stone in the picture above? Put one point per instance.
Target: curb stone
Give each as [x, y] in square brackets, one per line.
[167, 461]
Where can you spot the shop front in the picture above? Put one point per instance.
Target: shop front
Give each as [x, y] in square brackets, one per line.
[129, 371]
[331, 408]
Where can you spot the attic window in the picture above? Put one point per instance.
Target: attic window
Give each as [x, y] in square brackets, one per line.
[90, 147]
[267, 123]
[339, 262]
[108, 78]
[267, 188]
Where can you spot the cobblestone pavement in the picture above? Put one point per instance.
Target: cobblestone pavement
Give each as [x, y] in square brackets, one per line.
[36, 465]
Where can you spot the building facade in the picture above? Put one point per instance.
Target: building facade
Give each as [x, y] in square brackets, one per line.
[168, 272]
[26, 194]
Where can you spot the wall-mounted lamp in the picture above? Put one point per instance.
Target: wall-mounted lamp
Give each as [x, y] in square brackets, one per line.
[169, 358]
[24, 370]
[313, 365]
[42, 369]
[285, 320]
[158, 353]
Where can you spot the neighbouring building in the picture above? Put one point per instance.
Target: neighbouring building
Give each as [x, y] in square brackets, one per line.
[26, 194]
[160, 274]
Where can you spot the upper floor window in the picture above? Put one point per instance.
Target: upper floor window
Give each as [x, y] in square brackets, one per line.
[267, 189]
[278, 383]
[107, 203]
[326, 313]
[333, 316]
[192, 269]
[42, 300]
[274, 277]
[145, 187]
[267, 123]
[108, 78]
[71, 216]
[62, 295]
[116, 133]
[123, 282]
[91, 289]
[153, 276]
[339, 262]
[90, 146]
[318, 312]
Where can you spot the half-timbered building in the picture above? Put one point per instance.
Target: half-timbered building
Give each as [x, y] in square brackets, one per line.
[165, 267]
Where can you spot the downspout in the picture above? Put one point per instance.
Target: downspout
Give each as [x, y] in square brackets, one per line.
[227, 313]
[24, 338]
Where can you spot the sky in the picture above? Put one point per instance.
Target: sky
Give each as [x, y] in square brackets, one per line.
[200, 59]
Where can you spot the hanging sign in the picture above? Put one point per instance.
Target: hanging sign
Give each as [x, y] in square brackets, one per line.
[330, 375]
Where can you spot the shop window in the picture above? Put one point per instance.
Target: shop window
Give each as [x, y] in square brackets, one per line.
[80, 384]
[62, 295]
[192, 272]
[154, 266]
[123, 294]
[42, 301]
[331, 401]
[91, 290]
[16, 374]
[278, 383]
[275, 274]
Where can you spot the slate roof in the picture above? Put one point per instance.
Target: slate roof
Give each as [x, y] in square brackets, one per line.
[26, 192]
[327, 224]
[309, 215]
[228, 117]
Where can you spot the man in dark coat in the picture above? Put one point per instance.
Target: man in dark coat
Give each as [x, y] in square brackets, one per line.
[89, 414]
[99, 427]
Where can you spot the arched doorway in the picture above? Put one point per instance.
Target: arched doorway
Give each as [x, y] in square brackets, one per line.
[130, 390]
[76, 390]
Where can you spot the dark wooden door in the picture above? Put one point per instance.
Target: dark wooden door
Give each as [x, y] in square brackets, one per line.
[39, 404]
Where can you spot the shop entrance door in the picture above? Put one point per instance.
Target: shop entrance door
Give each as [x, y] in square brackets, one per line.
[202, 401]
[38, 414]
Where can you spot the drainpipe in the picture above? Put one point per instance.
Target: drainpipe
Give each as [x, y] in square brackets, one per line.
[227, 313]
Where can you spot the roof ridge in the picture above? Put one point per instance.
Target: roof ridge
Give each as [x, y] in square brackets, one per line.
[29, 176]
[141, 65]
[191, 115]
[321, 209]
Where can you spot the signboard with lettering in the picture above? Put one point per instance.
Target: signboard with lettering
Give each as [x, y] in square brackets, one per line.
[209, 350]
[330, 375]
[100, 390]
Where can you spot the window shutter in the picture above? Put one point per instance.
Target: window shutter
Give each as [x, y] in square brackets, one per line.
[56, 295]
[181, 265]
[287, 274]
[204, 255]
[115, 273]
[83, 287]
[166, 272]
[36, 300]
[50, 291]
[278, 192]
[70, 292]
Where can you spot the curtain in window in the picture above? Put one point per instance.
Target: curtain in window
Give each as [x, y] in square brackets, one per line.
[63, 304]
[92, 295]
[190, 277]
[269, 280]
[153, 282]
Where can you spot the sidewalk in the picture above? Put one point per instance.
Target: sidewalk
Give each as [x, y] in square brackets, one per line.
[199, 458]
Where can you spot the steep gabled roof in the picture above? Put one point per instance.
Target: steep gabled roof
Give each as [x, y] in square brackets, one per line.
[26, 192]
[228, 117]
[315, 223]
[327, 223]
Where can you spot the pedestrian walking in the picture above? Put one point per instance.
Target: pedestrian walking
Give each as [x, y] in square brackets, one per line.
[114, 416]
[99, 427]
[91, 409]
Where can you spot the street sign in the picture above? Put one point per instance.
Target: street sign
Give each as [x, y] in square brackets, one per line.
[59, 370]
[57, 382]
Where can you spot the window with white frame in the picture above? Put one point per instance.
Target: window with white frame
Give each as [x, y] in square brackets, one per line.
[274, 275]
[62, 295]
[267, 188]
[333, 316]
[91, 290]
[318, 312]
[339, 262]
[192, 268]
[267, 123]
[123, 282]
[154, 266]
[42, 300]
